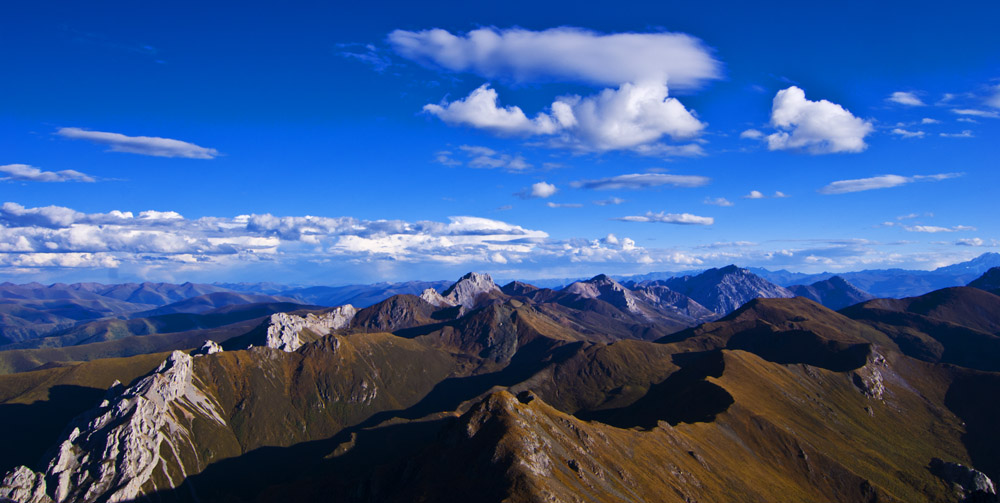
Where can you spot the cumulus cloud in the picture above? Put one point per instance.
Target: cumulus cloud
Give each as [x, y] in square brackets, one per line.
[637, 181]
[755, 194]
[718, 201]
[26, 173]
[905, 98]
[634, 112]
[540, 190]
[630, 117]
[908, 134]
[144, 145]
[669, 218]
[881, 182]
[751, 134]
[563, 54]
[817, 127]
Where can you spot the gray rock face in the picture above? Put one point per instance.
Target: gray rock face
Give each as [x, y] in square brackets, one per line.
[673, 302]
[467, 290]
[283, 331]
[432, 297]
[604, 288]
[869, 379]
[113, 451]
[969, 479]
[725, 290]
[210, 347]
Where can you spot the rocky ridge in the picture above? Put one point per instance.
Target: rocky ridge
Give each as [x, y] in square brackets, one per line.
[284, 330]
[132, 428]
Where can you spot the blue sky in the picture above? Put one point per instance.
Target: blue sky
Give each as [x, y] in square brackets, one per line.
[323, 143]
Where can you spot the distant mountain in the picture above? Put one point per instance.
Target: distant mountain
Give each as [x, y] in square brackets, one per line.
[211, 301]
[898, 283]
[989, 281]
[726, 289]
[834, 293]
[536, 395]
[358, 295]
[34, 310]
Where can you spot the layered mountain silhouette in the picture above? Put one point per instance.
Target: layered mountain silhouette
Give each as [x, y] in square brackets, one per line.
[835, 293]
[600, 391]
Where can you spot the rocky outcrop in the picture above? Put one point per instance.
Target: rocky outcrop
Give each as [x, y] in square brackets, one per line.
[210, 347]
[284, 331]
[604, 288]
[970, 480]
[468, 290]
[869, 378]
[432, 297]
[116, 451]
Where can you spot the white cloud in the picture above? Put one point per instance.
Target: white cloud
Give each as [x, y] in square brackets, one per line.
[550, 204]
[818, 127]
[755, 194]
[967, 120]
[539, 190]
[751, 134]
[905, 98]
[964, 134]
[670, 218]
[563, 54]
[881, 182]
[26, 173]
[933, 229]
[977, 113]
[636, 181]
[718, 201]
[927, 120]
[977, 242]
[779, 195]
[631, 117]
[145, 145]
[613, 200]
[908, 134]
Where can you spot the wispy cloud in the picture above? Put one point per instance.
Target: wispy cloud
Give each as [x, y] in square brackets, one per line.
[550, 204]
[989, 114]
[26, 173]
[908, 134]
[610, 201]
[669, 218]
[964, 134]
[367, 54]
[144, 145]
[637, 181]
[933, 229]
[881, 182]
[718, 201]
[905, 98]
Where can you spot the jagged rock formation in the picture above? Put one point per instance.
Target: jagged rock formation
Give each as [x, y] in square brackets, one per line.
[969, 480]
[117, 452]
[432, 297]
[835, 293]
[469, 290]
[285, 331]
[210, 347]
[604, 288]
[726, 289]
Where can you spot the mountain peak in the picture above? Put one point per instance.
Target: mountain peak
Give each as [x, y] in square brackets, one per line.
[468, 288]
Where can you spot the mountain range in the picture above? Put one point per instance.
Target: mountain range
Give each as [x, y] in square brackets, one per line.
[599, 391]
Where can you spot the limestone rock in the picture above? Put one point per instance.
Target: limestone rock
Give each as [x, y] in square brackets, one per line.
[210, 347]
[283, 330]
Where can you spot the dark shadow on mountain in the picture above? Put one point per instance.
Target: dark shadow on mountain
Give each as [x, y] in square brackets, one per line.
[801, 346]
[27, 431]
[972, 396]
[684, 397]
